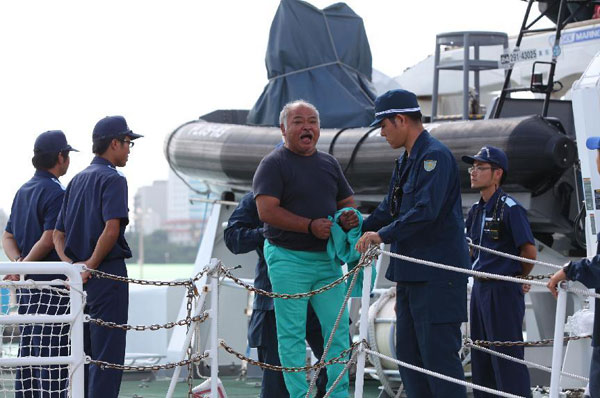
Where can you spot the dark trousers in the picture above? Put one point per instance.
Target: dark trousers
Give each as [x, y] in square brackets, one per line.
[497, 311]
[42, 340]
[595, 373]
[107, 300]
[424, 341]
[262, 334]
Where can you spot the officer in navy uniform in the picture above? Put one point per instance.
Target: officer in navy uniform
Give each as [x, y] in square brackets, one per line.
[90, 230]
[28, 237]
[422, 217]
[497, 221]
[243, 234]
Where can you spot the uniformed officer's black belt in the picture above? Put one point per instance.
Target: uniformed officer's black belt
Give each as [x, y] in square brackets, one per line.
[486, 279]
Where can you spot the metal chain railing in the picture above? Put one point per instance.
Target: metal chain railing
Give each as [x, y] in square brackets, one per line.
[442, 376]
[484, 343]
[288, 296]
[337, 360]
[347, 367]
[106, 275]
[470, 344]
[171, 365]
[539, 277]
[365, 260]
[153, 327]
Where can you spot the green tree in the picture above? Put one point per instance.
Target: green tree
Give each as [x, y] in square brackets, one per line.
[158, 249]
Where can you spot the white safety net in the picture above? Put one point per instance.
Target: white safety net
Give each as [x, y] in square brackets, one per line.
[34, 342]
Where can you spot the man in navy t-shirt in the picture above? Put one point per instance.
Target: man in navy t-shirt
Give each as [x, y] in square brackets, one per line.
[28, 237]
[244, 233]
[90, 230]
[296, 188]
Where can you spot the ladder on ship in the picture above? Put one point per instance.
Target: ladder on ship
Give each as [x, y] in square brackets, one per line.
[562, 18]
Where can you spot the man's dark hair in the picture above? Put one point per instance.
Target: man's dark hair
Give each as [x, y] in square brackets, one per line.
[414, 116]
[504, 175]
[496, 167]
[46, 161]
[100, 146]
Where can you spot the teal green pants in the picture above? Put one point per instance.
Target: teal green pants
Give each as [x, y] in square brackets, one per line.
[293, 271]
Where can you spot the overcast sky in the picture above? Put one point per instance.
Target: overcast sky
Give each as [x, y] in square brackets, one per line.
[66, 64]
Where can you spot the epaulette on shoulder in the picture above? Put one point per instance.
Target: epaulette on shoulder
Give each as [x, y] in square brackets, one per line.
[510, 202]
[55, 180]
[118, 171]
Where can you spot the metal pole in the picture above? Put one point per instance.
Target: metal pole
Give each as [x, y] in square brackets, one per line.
[364, 323]
[466, 63]
[186, 343]
[141, 243]
[436, 81]
[77, 353]
[214, 344]
[559, 331]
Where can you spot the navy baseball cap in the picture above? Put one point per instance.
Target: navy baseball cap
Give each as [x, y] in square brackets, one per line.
[113, 127]
[394, 102]
[593, 143]
[489, 154]
[52, 141]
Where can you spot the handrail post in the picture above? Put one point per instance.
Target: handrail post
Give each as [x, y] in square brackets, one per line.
[214, 344]
[364, 323]
[559, 331]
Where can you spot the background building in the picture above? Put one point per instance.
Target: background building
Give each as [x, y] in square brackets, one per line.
[150, 203]
[185, 219]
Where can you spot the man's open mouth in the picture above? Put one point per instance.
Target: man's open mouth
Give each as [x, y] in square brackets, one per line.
[306, 138]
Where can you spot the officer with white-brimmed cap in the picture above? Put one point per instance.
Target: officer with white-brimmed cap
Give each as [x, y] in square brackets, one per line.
[422, 217]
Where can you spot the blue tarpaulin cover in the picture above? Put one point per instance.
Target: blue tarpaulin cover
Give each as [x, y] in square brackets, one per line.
[321, 56]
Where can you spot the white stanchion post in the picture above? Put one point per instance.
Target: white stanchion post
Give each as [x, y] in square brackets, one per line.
[559, 331]
[364, 323]
[214, 344]
[77, 381]
[186, 343]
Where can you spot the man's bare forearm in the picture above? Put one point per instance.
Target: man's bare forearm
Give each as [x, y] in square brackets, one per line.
[284, 219]
[11, 249]
[58, 237]
[41, 248]
[105, 243]
[528, 251]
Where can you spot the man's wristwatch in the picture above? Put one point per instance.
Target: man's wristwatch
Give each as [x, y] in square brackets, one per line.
[566, 268]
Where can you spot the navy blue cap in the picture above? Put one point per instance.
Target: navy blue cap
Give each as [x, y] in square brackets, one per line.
[593, 143]
[52, 141]
[489, 154]
[112, 127]
[394, 102]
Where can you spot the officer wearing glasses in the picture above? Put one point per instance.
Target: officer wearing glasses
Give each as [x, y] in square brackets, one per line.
[422, 217]
[499, 222]
[90, 230]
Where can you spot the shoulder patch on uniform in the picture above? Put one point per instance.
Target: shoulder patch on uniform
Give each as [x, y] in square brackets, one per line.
[510, 202]
[429, 165]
